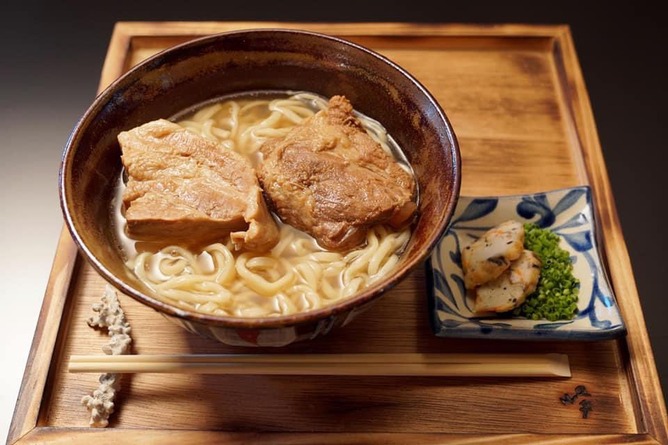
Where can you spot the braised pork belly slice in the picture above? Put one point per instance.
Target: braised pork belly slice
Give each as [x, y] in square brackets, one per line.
[329, 178]
[183, 188]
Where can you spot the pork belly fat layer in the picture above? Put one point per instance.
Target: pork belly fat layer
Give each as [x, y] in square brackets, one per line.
[183, 188]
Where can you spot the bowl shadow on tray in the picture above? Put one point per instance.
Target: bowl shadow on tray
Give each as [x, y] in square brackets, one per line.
[567, 212]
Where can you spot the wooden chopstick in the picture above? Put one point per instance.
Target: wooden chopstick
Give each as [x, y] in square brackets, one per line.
[461, 365]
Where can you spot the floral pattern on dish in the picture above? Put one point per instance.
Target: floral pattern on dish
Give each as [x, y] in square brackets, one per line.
[568, 213]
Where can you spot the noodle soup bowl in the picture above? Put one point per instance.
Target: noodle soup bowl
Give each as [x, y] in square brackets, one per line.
[251, 60]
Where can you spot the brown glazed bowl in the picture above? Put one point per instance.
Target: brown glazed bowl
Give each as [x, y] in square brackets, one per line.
[267, 59]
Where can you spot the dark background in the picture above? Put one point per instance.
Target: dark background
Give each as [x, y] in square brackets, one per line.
[51, 54]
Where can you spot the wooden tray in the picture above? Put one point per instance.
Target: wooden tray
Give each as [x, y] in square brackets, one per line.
[519, 106]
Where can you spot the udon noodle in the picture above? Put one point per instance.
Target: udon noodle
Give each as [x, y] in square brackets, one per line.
[297, 275]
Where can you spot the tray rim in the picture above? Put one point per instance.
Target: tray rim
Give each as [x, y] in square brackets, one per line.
[650, 411]
[178, 437]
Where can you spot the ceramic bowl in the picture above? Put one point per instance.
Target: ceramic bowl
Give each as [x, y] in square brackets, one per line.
[567, 212]
[269, 59]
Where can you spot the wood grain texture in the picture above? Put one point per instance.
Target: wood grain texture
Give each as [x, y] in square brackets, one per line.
[518, 103]
[398, 323]
[167, 437]
[32, 389]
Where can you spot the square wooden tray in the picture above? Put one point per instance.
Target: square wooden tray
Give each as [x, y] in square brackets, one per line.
[519, 106]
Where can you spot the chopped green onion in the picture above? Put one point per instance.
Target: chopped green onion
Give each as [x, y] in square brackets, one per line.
[556, 295]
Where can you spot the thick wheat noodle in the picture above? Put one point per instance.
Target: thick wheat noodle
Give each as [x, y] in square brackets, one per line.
[257, 282]
[310, 272]
[219, 133]
[389, 244]
[302, 246]
[297, 275]
[222, 256]
[392, 261]
[190, 281]
[194, 298]
[361, 261]
[328, 291]
[285, 305]
[172, 266]
[310, 298]
[207, 112]
[325, 257]
[252, 104]
[285, 241]
[209, 307]
[292, 110]
[354, 285]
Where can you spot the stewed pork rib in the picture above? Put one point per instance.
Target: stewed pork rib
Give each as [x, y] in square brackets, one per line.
[329, 178]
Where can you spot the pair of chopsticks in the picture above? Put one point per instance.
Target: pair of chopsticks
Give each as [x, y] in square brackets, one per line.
[409, 364]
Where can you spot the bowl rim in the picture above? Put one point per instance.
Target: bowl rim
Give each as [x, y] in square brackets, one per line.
[343, 306]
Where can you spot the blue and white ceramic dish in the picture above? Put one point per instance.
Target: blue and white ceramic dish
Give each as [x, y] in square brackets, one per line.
[568, 213]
